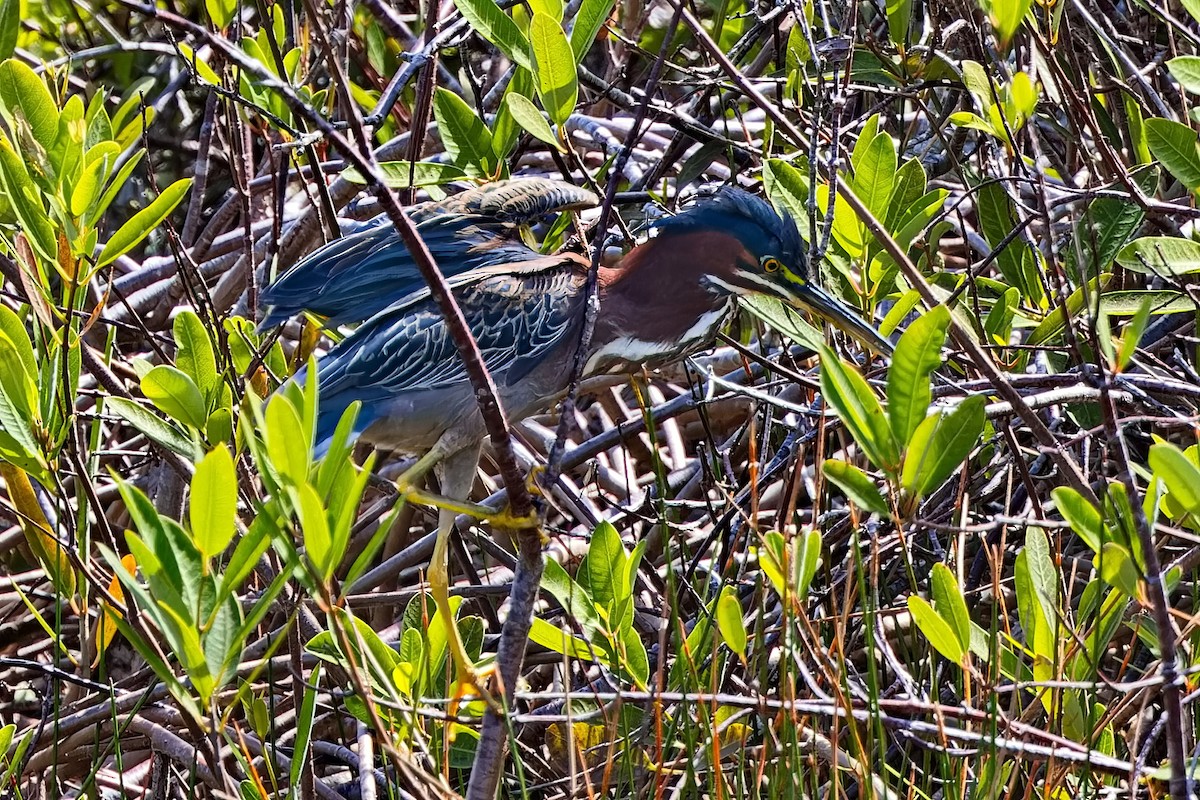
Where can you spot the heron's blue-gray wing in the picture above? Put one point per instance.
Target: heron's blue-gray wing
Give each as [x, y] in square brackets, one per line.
[357, 276]
[519, 314]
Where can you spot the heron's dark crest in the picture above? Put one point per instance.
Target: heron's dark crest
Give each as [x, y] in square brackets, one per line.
[752, 220]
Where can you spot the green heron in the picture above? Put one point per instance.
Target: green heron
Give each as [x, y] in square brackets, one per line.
[666, 299]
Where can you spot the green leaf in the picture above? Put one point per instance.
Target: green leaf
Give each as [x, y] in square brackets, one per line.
[142, 223]
[1161, 255]
[588, 21]
[10, 29]
[875, 174]
[997, 218]
[213, 505]
[784, 319]
[773, 559]
[26, 203]
[730, 622]
[558, 640]
[220, 12]
[318, 542]
[115, 184]
[1186, 70]
[917, 355]
[155, 429]
[1132, 335]
[940, 444]
[808, 556]
[468, 141]
[530, 119]
[899, 15]
[602, 572]
[195, 356]
[857, 486]
[287, 446]
[407, 175]
[1055, 322]
[24, 96]
[856, 404]
[1175, 145]
[1006, 16]
[1117, 569]
[497, 27]
[950, 603]
[571, 596]
[18, 366]
[1083, 517]
[787, 187]
[999, 321]
[936, 630]
[1180, 475]
[175, 394]
[1106, 225]
[553, 68]
[969, 119]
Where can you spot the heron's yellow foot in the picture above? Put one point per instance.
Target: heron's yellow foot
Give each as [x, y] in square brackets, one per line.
[471, 683]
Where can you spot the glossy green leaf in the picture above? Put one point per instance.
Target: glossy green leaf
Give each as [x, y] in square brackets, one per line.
[406, 175]
[26, 202]
[773, 559]
[783, 318]
[553, 68]
[1161, 255]
[999, 321]
[1101, 234]
[318, 542]
[1186, 70]
[940, 444]
[950, 603]
[1006, 16]
[213, 504]
[1083, 517]
[154, 428]
[220, 12]
[589, 20]
[856, 404]
[10, 29]
[899, 15]
[808, 557]
[195, 355]
[560, 641]
[468, 141]
[730, 622]
[861, 490]
[142, 223]
[875, 174]
[24, 95]
[917, 355]
[1132, 335]
[1054, 323]
[287, 445]
[175, 394]
[1117, 569]
[1179, 473]
[1176, 146]
[936, 630]
[530, 119]
[571, 596]
[497, 27]
[602, 572]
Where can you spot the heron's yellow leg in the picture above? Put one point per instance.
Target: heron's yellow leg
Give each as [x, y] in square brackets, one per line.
[468, 678]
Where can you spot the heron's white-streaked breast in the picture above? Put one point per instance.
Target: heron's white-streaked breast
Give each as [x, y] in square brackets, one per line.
[626, 351]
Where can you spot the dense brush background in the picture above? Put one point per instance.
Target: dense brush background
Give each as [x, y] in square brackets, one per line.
[772, 575]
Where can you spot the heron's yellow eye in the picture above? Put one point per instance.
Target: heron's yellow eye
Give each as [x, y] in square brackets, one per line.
[771, 264]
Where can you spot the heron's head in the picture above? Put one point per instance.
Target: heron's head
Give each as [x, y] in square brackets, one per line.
[766, 256]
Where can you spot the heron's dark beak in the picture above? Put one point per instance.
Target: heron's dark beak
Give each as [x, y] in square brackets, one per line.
[838, 313]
